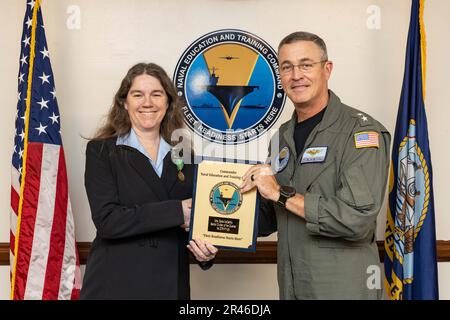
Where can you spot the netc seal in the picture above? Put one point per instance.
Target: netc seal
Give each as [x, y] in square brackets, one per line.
[230, 84]
[225, 197]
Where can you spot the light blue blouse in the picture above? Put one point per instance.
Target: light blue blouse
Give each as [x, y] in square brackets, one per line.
[130, 139]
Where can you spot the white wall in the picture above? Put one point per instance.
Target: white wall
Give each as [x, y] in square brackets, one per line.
[89, 62]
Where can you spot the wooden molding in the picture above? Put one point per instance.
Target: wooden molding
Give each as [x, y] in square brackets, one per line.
[266, 253]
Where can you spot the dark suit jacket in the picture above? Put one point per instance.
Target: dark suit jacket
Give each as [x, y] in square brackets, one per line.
[139, 251]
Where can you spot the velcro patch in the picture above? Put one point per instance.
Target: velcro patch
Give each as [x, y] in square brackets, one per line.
[314, 154]
[366, 139]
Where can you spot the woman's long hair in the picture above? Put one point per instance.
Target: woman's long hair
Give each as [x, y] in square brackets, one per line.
[118, 121]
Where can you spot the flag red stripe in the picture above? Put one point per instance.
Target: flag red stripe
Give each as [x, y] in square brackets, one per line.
[15, 208]
[14, 200]
[75, 294]
[58, 234]
[12, 241]
[77, 281]
[28, 217]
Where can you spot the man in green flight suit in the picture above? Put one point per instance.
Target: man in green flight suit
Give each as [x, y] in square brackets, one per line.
[330, 163]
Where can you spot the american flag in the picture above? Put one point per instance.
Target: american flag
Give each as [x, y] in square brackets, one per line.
[43, 255]
[366, 139]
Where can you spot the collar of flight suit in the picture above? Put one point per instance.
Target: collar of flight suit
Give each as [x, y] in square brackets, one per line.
[329, 118]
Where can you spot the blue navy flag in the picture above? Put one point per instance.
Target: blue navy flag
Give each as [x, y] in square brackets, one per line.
[410, 259]
[43, 254]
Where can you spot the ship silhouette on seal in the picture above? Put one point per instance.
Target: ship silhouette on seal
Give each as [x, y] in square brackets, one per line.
[228, 96]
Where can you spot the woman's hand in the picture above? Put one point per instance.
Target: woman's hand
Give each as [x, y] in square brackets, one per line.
[202, 250]
[186, 205]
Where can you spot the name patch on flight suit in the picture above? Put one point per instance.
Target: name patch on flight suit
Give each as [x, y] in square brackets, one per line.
[282, 159]
[367, 139]
[314, 154]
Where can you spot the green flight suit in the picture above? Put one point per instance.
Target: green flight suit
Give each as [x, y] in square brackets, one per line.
[327, 254]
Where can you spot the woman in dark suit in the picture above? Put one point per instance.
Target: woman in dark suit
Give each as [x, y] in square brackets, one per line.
[140, 200]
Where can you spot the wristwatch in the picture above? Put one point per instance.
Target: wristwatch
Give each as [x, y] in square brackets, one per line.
[286, 192]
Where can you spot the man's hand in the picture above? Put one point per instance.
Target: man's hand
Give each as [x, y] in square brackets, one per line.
[261, 176]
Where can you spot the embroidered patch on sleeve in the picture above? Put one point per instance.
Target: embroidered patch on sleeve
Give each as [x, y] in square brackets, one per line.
[368, 139]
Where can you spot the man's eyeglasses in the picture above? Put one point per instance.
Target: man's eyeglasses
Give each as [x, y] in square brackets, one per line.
[306, 67]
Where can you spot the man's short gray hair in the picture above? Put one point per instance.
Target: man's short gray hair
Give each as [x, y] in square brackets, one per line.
[305, 36]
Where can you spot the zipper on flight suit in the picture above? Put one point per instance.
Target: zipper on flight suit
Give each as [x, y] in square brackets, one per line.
[296, 165]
